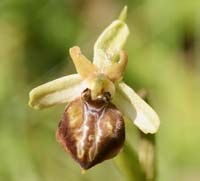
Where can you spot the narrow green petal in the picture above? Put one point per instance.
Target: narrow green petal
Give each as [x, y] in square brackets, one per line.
[110, 42]
[115, 71]
[136, 109]
[84, 67]
[58, 91]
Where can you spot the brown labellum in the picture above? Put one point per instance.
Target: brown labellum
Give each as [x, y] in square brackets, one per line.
[91, 131]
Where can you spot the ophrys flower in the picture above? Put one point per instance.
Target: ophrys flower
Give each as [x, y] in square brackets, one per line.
[92, 126]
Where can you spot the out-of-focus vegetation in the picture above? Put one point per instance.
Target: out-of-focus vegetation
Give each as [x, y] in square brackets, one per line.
[163, 51]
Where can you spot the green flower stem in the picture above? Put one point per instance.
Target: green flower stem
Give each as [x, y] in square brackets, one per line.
[147, 155]
[147, 149]
[140, 165]
[128, 163]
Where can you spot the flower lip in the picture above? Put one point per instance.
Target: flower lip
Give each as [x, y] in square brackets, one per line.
[99, 103]
[91, 134]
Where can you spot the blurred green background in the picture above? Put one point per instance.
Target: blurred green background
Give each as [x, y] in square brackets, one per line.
[163, 50]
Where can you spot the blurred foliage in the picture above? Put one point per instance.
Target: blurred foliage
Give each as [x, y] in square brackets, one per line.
[163, 51]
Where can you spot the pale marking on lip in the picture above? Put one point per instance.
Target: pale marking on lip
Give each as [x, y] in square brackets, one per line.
[85, 128]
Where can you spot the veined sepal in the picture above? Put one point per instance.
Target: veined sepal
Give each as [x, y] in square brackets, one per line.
[61, 90]
[111, 42]
[136, 109]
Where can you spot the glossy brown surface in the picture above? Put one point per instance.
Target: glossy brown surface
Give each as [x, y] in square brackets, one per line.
[91, 131]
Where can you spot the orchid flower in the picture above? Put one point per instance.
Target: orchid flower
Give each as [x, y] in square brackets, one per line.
[92, 126]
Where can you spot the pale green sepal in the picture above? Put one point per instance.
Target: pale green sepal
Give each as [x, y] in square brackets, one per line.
[109, 44]
[123, 14]
[58, 91]
[136, 109]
